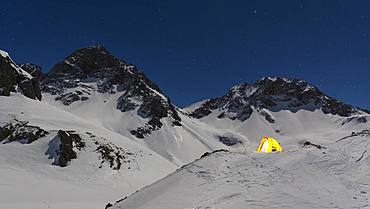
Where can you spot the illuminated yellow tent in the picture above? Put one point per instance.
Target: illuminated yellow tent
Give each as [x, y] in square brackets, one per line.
[269, 144]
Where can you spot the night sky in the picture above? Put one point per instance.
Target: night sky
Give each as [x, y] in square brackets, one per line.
[198, 49]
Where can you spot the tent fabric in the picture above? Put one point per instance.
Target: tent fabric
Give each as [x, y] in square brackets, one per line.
[269, 144]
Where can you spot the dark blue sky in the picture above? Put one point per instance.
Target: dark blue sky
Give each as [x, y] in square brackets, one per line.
[198, 49]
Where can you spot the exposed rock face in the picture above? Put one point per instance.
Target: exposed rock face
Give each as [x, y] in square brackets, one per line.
[13, 79]
[358, 119]
[31, 88]
[273, 94]
[307, 144]
[61, 148]
[115, 157]
[21, 132]
[34, 70]
[229, 140]
[95, 69]
[64, 147]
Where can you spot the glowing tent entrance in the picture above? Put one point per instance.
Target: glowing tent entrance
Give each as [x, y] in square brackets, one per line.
[269, 144]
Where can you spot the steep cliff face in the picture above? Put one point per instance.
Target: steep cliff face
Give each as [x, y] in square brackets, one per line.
[14, 79]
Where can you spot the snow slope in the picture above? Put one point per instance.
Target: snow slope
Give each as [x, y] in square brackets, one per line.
[29, 180]
[27, 172]
[335, 177]
[178, 144]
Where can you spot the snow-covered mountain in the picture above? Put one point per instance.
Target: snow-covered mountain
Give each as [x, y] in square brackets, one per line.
[273, 94]
[324, 163]
[101, 130]
[93, 84]
[96, 129]
[279, 107]
[94, 70]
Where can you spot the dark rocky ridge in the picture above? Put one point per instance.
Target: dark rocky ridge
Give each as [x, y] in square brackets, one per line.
[69, 82]
[20, 131]
[33, 69]
[12, 79]
[273, 94]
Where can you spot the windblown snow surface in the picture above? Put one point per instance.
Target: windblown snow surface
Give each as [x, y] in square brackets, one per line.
[29, 180]
[335, 175]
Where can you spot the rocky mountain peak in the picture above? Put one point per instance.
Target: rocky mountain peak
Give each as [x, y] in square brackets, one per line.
[86, 62]
[15, 79]
[274, 94]
[94, 70]
[273, 86]
[281, 85]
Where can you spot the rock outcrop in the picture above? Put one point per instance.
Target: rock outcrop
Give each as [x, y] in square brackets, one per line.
[34, 70]
[62, 147]
[15, 79]
[20, 131]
